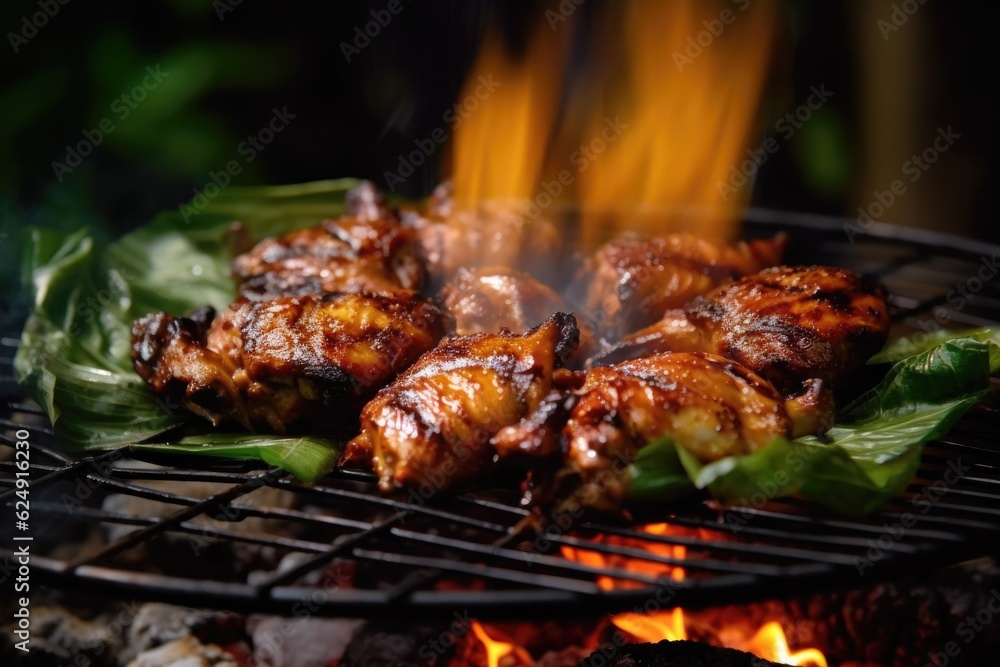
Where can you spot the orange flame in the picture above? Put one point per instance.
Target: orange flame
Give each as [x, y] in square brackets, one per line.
[498, 652]
[650, 142]
[696, 72]
[771, 644]
[597, 559]
[500, 145]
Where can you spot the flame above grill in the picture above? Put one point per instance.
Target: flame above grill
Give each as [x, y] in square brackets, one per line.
[642, 140]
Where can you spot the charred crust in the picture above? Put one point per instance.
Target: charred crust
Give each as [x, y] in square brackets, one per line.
[568, 335]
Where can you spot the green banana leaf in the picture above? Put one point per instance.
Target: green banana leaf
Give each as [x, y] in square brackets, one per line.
[75, 353]
[868, 457]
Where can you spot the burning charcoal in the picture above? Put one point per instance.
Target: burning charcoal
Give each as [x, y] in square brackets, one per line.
[677, 654]
[157, 624]
[185, 652]
[59, 637]
[392, 646]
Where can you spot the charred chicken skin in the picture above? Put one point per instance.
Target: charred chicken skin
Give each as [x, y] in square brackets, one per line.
[350, 254]
[310, 359]
[434, 424]
[491, 299]
[792, 325]
[630, 281]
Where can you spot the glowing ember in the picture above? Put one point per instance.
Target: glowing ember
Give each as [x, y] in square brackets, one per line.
[654, 569]
[653, 627]
[770, 643]
[501, 654]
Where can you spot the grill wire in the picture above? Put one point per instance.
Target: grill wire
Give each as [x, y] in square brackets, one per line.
[346, 550]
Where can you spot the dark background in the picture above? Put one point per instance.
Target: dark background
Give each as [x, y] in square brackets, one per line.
[230, 64]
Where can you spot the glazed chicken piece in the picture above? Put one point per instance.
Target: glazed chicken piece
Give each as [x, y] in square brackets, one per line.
[350, 254]
[433, 425]
[630, 281]
[710, 406]
[793, 326]
[487, 300]
[310, 360]
[496, 234]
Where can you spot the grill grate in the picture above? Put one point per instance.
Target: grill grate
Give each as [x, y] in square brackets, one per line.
[209, 532]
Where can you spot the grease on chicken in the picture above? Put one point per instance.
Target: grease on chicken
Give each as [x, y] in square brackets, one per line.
[312, 359]
[630, 281]
[710, 406]
[792, 325]
[434, 424]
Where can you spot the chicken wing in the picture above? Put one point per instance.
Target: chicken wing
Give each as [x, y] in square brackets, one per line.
[312, 359]
[432, 427]
[790, 325]
[710, 406]
[487, 300]
[630, 281]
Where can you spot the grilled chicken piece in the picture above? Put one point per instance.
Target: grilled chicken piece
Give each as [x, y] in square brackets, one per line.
[487, 300]
[793, 326]
[432, 427]
[496, 234]
[311, 359]
[710, 406]
[630, 281]
[350, 254]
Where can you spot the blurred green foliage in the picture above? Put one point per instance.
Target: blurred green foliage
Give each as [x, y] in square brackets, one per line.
[65, 86]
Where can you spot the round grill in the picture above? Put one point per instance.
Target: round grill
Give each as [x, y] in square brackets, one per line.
[195, 532]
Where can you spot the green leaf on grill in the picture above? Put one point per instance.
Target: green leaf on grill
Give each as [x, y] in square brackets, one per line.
[75, 349]
[867, 458]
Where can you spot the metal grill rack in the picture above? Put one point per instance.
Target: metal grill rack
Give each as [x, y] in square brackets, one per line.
[195, 532]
